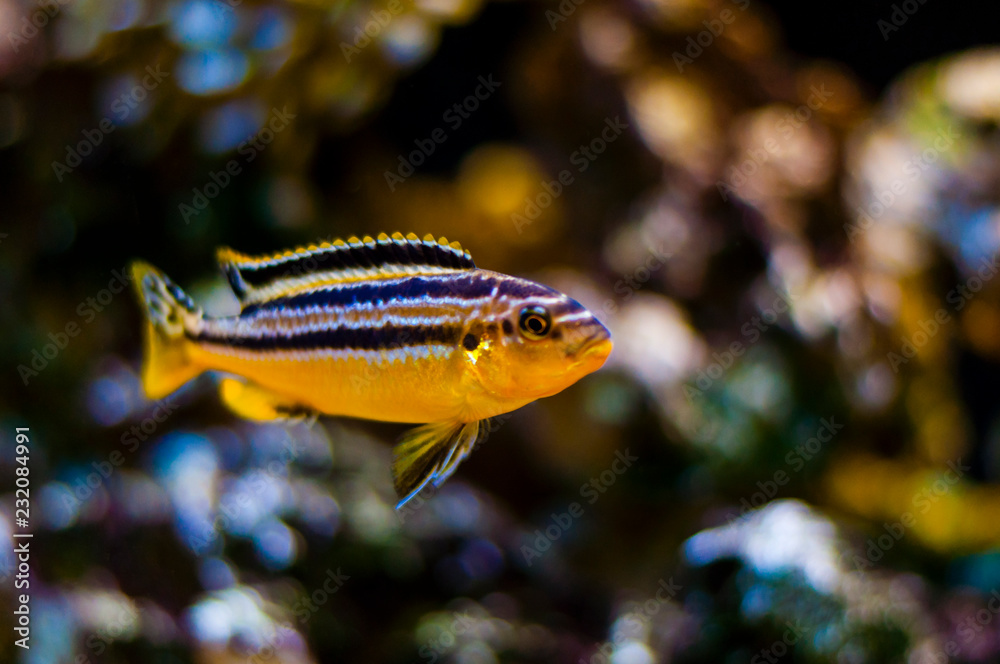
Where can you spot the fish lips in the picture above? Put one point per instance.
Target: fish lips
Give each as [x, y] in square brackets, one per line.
[594, 350]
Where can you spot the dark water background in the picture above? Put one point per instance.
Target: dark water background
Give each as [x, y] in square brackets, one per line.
[806, 337]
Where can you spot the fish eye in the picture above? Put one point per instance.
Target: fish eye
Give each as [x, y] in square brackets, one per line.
[535, 322]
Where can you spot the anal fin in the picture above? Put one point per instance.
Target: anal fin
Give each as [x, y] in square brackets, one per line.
[430, 453]
[253, 402]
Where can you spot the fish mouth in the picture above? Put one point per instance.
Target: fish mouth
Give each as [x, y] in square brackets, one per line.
[597, 346]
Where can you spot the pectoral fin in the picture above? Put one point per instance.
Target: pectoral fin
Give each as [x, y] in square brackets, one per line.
[430, 453]
[253, 402]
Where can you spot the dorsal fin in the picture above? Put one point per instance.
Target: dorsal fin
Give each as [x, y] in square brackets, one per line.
[258, 279]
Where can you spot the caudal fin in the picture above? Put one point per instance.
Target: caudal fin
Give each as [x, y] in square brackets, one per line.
[168, 311]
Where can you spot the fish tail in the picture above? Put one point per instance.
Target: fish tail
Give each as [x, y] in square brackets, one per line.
[169, 313]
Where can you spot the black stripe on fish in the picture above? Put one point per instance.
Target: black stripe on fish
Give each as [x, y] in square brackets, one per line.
[567, 308]
[427, 289]
[385, 337]
[523, 289]
[385, 252]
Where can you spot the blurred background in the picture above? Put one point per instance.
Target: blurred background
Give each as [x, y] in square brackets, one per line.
[788, 215]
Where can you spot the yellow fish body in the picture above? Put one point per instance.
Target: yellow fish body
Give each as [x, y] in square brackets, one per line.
[395, 329]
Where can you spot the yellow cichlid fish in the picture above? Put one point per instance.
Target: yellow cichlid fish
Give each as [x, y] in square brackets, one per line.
[395, 329]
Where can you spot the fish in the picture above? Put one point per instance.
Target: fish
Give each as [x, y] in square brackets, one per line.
[391, 328]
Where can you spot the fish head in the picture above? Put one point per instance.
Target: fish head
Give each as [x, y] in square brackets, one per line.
[539, 342]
